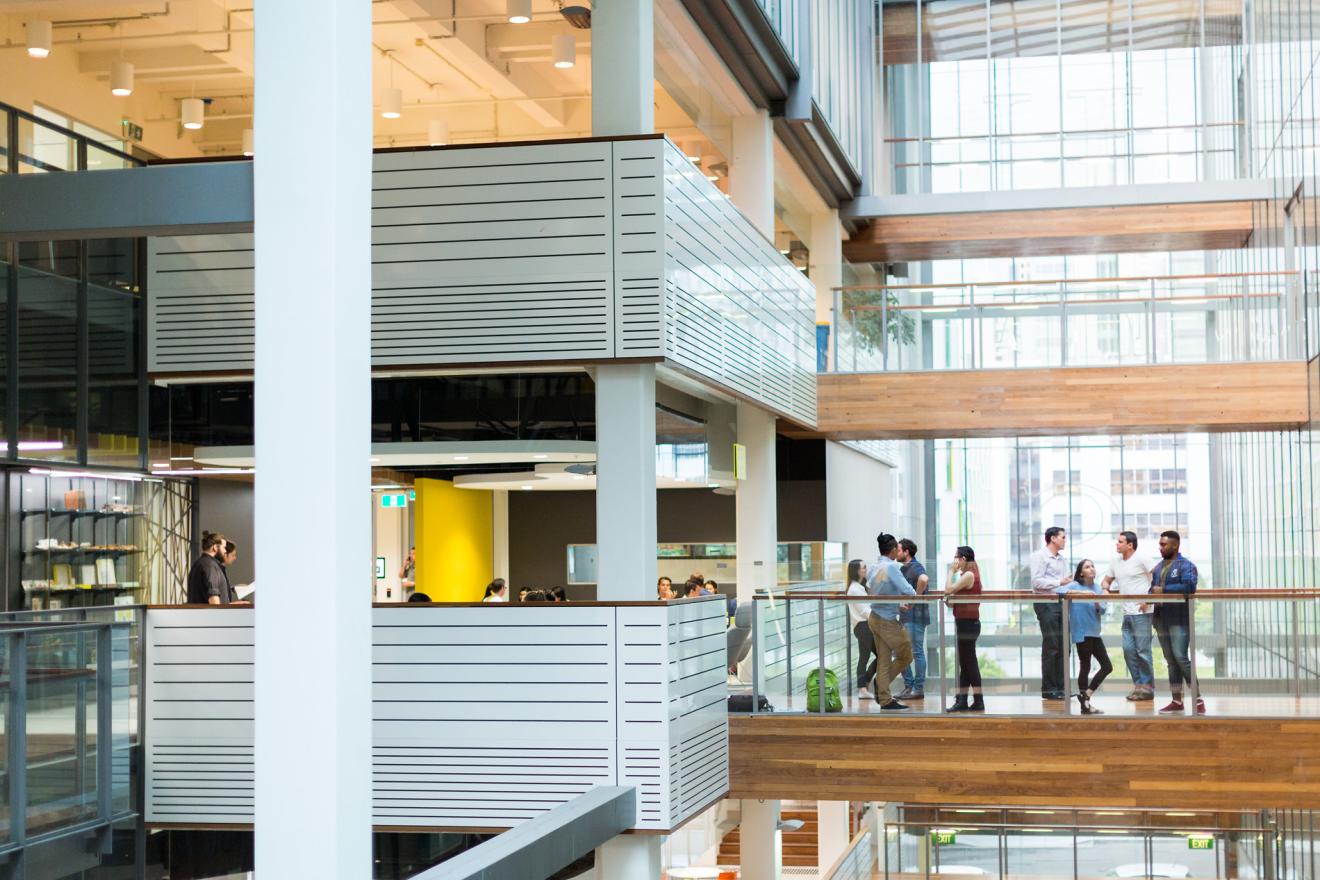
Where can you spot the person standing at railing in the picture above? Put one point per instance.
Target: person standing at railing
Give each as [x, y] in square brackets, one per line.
[893, 648]
[965, 578]
[1084, 629]
[858, 612]
[1049, 571]
[1132, 576]
[1175, 574]
[914, 620]
[207, 582]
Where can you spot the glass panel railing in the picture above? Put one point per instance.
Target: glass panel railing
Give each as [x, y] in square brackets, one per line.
[41, 146]
[1248, 653]
[1070, 322]
[61, 749]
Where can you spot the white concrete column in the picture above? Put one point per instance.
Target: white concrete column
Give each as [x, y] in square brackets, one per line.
[759, 841]
[622, 68]
[826, 268]
[831, 831]
[313, 320]
[757, 522]
[752, 170]
[499, 506]
[629, 857]
[625, 481]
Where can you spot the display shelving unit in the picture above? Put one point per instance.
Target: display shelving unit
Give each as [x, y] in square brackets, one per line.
[81, 540]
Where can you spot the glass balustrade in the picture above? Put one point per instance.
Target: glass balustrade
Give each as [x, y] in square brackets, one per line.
[1252, 653]
[1170, 319]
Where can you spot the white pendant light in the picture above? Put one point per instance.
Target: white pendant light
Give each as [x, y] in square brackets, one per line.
[121, 78]
[193, 113]
[391, 103]
[247, 142]
[437, 132]
[564, 49]
[520, 11]
[38, 38]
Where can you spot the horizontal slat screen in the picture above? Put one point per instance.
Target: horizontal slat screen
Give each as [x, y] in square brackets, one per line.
[577, 251]
[739, 313]
[481, 717]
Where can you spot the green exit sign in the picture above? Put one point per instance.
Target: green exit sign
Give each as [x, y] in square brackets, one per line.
[943, 838]
[1200, 843]
[394, 499]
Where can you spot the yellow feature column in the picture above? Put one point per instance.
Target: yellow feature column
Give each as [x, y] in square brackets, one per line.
[455, 540]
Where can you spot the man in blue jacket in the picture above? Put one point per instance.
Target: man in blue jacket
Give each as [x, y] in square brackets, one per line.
[1175, 574]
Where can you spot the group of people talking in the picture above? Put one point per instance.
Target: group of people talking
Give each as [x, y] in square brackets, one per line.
[891, 634]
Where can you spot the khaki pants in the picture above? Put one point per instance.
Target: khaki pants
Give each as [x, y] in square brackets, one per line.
[891, 644]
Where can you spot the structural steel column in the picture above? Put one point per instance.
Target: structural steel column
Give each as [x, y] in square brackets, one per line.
[625, 482]
[752, 170]
[759, 842]
[757, 520]
[622, 68]
[629, 857]
[312, 213]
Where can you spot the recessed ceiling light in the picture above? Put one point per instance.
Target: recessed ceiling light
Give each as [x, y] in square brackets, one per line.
[540, 455]
[526, 488]
[578, 477]
[248, 140]
[460, 458]
[373, 460]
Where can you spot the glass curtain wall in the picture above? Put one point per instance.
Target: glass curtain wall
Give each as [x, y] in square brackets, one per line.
[1019, 94]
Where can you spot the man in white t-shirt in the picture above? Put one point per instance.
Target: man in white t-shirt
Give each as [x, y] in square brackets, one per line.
[1132, 577]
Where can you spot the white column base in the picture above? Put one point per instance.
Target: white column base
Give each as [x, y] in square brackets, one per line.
[831, 832]
[629, 857]
[760, 843]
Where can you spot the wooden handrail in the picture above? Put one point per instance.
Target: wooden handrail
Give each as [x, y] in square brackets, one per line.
[1048, 281]
[1027, 596]
[1066, 133]
[1122, 300]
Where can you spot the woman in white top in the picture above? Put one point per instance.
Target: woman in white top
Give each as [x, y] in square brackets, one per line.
[496, 591]
[859, 611]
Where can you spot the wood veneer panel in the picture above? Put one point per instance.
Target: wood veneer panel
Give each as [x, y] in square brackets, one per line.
[1118, 229]
[1058, 401]
[1161, 763]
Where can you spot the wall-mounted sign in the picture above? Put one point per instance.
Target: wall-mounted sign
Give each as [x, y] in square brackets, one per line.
[380, 568]
[943, 838]
[412, 494]
[1200, 841]
[394, 499]
[739, 461]
[131, 130]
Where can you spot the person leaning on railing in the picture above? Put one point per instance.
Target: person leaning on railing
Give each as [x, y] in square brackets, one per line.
[965, 578]
[1176, 574]
[858, 612]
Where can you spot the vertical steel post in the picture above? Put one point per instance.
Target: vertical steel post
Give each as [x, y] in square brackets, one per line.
[1296, 648]
[17, 731]
[820, 659]
[788, 647]
[756, 653]
[105, 737]
[1191, 647]
[939, 612]
[1064, 613]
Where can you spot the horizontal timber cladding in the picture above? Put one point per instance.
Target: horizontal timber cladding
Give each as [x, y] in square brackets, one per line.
[482, 717]
[583, 251]
[738, 312]
[1171, 763]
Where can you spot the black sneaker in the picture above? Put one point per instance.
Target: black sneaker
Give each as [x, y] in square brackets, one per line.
[894, 706]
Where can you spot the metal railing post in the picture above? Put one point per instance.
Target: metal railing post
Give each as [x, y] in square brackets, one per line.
[836, 330]
[758, 642]
[884, 329]
[1297, 648]
[17, 731]
[1150, 325]
[849, 673]
[1064, 613]
[944, 703]
[105, 750]
[1063, 324]
[820, 660]
[1191, 647]
[788, 648]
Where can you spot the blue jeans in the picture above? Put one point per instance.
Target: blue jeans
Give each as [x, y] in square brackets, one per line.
[1136, 649]
[1172, 629]
[914, 677]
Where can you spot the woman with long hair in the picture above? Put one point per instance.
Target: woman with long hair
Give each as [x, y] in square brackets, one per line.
[1084, 629]
[965, 579]
[859, 611]
[496, 591]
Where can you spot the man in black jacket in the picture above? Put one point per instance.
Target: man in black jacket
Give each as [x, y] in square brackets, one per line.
[207, 583]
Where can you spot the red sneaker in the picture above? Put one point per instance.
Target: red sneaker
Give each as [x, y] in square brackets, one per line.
[1173, 707]
[1200, 706]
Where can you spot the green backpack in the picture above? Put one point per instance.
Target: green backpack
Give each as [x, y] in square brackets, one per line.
[832, 701]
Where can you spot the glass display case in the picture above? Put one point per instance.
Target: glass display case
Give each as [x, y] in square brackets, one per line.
[80, 540]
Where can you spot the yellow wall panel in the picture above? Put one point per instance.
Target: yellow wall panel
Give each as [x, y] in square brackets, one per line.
[455, 541]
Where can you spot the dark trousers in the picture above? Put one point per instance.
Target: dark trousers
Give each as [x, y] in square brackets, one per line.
[969, 670]
[1089, 647]
[865, 651]
[1172, 627]
[1050, 617]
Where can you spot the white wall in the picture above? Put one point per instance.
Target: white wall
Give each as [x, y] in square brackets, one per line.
[390, 527]
[859, 499]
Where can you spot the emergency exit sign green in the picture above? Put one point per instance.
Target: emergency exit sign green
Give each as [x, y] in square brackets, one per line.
[1200, 843]
[943, 838]
[394, 499]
